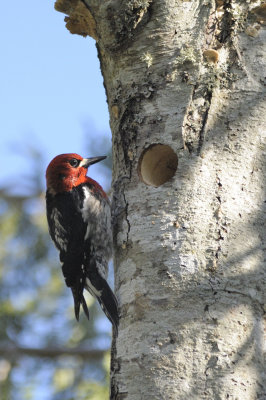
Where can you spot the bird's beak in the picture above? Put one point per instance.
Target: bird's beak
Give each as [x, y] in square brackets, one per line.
[86, 162]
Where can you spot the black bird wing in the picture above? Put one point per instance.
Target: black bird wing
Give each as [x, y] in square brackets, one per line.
[67, 229]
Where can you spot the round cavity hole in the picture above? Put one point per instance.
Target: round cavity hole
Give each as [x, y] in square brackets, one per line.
[157, 164]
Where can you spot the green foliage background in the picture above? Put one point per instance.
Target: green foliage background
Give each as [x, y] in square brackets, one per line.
[38, 330]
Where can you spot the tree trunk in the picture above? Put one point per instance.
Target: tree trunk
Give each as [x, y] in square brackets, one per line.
[189, 237]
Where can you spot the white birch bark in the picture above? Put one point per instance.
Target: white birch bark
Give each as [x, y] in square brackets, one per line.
[189, 254]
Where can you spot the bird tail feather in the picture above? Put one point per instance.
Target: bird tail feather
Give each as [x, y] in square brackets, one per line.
[99, 288]
[79, 300]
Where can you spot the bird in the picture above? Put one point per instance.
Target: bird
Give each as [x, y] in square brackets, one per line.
[79, 221]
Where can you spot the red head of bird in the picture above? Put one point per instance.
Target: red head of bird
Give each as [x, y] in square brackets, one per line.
[67, 171]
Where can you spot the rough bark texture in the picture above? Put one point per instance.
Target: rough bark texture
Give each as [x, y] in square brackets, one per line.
[188, 254]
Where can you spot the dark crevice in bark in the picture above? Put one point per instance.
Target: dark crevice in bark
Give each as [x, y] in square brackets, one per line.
[208, 100]
[128, 129]
[126, 216]
[198, 110]
[114, 369]
[120, 207]
[226, 23]
[227, 26]
[219, 222]
[126, 20]
[196, 118]
[131, 118]
[220, 231]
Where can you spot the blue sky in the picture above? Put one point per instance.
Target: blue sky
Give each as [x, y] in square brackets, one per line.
[51, 86]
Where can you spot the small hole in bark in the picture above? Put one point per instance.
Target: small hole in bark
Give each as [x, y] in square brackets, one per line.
[157, 164]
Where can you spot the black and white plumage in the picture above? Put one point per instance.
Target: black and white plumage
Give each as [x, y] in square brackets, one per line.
[79, 219]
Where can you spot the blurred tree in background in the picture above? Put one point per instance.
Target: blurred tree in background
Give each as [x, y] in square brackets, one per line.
[44, 352]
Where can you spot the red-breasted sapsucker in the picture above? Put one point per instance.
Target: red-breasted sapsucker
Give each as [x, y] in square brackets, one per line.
[79, 220]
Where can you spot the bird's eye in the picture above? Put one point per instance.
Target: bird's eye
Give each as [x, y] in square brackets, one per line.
[74, 162]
